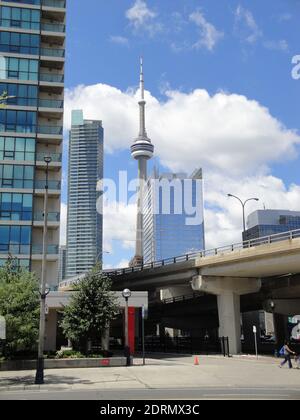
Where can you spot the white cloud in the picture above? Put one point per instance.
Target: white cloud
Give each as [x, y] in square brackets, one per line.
[246, 26]
[120, 40]
[281, 45]
[143, 18]
[233, 138]
[225, 133]
[209, 35]
[285, 17]
[118, 225]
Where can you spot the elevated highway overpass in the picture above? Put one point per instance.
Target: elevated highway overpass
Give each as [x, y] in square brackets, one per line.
[227, 272]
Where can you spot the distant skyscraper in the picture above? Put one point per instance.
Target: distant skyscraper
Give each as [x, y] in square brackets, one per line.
[142, 150]
[173, 232]
[62, 263]
[32, 61]
[269, 222]
[84, 230]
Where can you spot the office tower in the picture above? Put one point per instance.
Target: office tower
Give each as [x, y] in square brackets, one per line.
[142, 150]
[269, 222]
[62, 263]
[84, 230]
[173, 216]
[32, 48]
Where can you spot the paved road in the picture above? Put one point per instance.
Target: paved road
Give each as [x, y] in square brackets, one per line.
[158, 394]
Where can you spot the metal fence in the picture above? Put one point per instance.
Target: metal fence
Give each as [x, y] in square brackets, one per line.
[184, 345]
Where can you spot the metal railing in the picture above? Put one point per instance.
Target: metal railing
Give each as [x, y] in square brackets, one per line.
[55, 157]
[52, 52]
[52, 217]
[52, 77]
[278, 237]
[187, 345]
[241, 246]
[53, 185]
[51, 249]
[61, 4]
[53, 27]
[50, 129]
[50, 103]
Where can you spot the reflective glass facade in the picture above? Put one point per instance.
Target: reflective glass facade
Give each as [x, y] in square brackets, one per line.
[172, 234]
[270, 222]
[30, 128]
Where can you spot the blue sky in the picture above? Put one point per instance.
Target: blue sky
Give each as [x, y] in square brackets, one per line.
[235, 47]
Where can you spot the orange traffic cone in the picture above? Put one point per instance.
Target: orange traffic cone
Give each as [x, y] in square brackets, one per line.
[196, 362]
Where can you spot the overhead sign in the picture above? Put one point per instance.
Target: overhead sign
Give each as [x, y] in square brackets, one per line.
[2, 328]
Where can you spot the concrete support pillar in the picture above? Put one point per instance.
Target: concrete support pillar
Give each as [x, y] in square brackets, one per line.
[229, 309]
[228, 290]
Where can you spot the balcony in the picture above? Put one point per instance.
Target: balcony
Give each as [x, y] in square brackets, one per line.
[51, 78]
[52, 217]
[53, 27]
[50, 129]
[51, 249]
[53, 185]
[51, 103]
[55, 157]
[53, 52]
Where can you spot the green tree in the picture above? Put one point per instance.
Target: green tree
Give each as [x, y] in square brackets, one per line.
[92, 307]
[19, 304]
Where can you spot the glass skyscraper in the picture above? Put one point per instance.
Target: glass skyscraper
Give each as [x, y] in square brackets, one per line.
[32, 59]
[269, 222]
[85, 220]
[173, 222]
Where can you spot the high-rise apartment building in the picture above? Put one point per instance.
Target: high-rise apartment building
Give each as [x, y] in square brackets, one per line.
[62, 263]
[269, 222]
[84, 230]
[173, 222]
[32, 60]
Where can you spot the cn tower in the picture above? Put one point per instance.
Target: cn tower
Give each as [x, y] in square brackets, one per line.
[142, 150]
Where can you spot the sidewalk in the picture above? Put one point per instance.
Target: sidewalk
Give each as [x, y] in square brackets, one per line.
[173, 371]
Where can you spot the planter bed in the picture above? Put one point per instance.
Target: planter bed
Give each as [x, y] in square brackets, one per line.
[14, 365]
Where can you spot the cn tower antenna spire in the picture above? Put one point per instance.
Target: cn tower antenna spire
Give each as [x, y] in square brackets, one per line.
[142, 82]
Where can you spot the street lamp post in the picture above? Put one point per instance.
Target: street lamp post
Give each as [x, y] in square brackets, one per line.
[39, 378]
[243, 203]
[126, 295]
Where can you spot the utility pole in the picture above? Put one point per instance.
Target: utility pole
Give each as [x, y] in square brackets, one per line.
[39, 378]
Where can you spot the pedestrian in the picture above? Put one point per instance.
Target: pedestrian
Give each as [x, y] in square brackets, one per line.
[287, 352]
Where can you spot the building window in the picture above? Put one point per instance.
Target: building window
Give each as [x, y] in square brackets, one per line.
[15, 240]
[18, 68]
[19, 43]
[17, 148]
[17, 263]
[18, 121]
[16, 176]
[16, 206]
[16, 17]
[23, 95]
